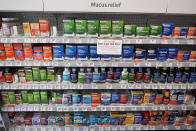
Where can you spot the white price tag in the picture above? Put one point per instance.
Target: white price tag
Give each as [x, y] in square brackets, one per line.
[94, 109]
[162, 107]
[139, 41]
[17, 128]
[103, 109]
[177, 127]
[113, 109]
[79, 64]
[145, 127]
[66, 63]
[80, 86]
[169, 64]
[101, 128]
[11, 128]
[184, 108]
[170, 107]
[159, 64]
[91, 64]
[176, 41]
[76, 128]
[164, 41]
[67, 128]
[43, 40]
[59, 128]
[59, 108]
[14, 40]
[76, 108]
[189, 41]
[153, 41]
[122, 128]
[85, 128]
[109, 86]
[114, 64]
[84, 108]
[9, 63]
[179, 64]
[192, 64]
[122, 108]
[155, 108]
[134, 108]
[189, 127]
[37, 108]
[103, 64]
[126, 41]
[109, 46]
[152, 127]
[123, 86]
[50, 108]
[107, 128]
[136, 64]
[33, 129]
[1, 63]
[4, 40]
[78, 40]
[53, 40]
[130, 127]
[138, 86]
[50, 129]
[148, 64]
[114, 128]
[138, 127]
[34, 40]
[165, 127]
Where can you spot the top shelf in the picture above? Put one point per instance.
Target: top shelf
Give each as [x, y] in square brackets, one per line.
[89, 40]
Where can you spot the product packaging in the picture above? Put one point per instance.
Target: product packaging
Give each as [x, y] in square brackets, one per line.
[95, 98]
[162, 54]
[137, 97]
[2, 52]
[12, 97]
[184, 31]
[167, 29]
[70, 52]
[60, 120]
[155, 31]
[115, 98]
[142, 32]
[82, 52]
[58, 52]
[92, 28]
[186, 56]
[138, 118]
[36, 97]
[96, 75]
[127, 52]
[35, 30]
[176, 32]
[81, 76]
[140, 54]
[44, 27]
[21, 75]
[86, 99]
[44, 97]
[123, 98]
[69, 27]
[4, 97]
[18, 97]
[24, 96]
[191, 32]
[9, 50]
[51, 74]
[93, 52]
[26, 29]
[105, 28]
[192, 56]
[8, 74]
[117, 75]
[47, 53]
[38, 53]
[43, 74]
[129, 31]
[67, 98]
[36, 74]
[89, 75]
[81, 27]
[180, 55]
[172, 53]
[159, 98]
[28, 74]
[28, 51]
[76, 97]
[151, 54]
[117, 28]
[105, 98]
[18, 51]
[66, 75]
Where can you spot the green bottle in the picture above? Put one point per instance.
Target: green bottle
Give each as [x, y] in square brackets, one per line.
[81, 76]
[131, 77]
[124, 75]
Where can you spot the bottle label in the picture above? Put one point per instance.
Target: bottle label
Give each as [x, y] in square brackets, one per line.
[131, 77]
[139, 77]
[116, 75]
[147, 77]
[73, 77]
[163, 77]
[96, 77]
[66, 77]
[102, 76]
[110, 75]
[81, 77]
[89, 77]
[124, 76]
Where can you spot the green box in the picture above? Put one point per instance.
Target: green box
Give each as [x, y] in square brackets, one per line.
[93, 27]
[36, 96]
[142, 31]
[43, 74]
[36, 74]
[5, 97]
[24, 96]
[12, 97]
[44, 97]
[28, 74]
[130, 30]
[54, 97]
[18, 97]
[81, 27]
[155, 30]
[51, 74]
[117, 27]
[69, 26]
[30, 97]
[105, 27]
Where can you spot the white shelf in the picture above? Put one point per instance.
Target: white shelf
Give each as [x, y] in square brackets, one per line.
[101, 128]
[119, 107]
[88, 40]
[98, 63]
[62, 86]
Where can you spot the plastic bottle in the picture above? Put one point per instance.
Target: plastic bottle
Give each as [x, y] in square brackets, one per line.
[81, 76]
[96, 75]
[102, 75]
[8, 75]
[110, 75]
[178, 75]
[66, 75]
[185, 75]
[170, 77]
[156, 75]
[131, 76]
[89, 75]
[163, 75]
[117, 75]
[124, 75]
[74, 75]
[139, 75]
[192, 77]
[147, 75]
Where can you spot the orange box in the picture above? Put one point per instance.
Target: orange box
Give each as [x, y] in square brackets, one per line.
[179, 56]
[191, 31]
[35, 29]
[95, 98]
[18, 51]
[44, 27]
[9, 51]
[38, 52]
[26, 28]
[192, 55]
[2, 52]
[176, 31]
[47, 53]
[28, 51]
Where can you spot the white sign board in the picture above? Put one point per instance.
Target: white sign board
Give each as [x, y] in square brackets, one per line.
[109, 46]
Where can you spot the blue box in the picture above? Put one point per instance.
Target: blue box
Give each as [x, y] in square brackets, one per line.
[86, 99]
[115, 97]
[186, 55]
[184, 31]
[70, 52]
[127, 52]
[151, 54]
[58, 52]
[93, 52]
[172, 53]
[105, 98]
[82, 52]
[93, 119]
[167, 29]
[76, 98]
[162, 54]
[105, 57]
[140, 53]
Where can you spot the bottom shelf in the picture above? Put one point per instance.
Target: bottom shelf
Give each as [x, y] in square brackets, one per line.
[100, 128]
